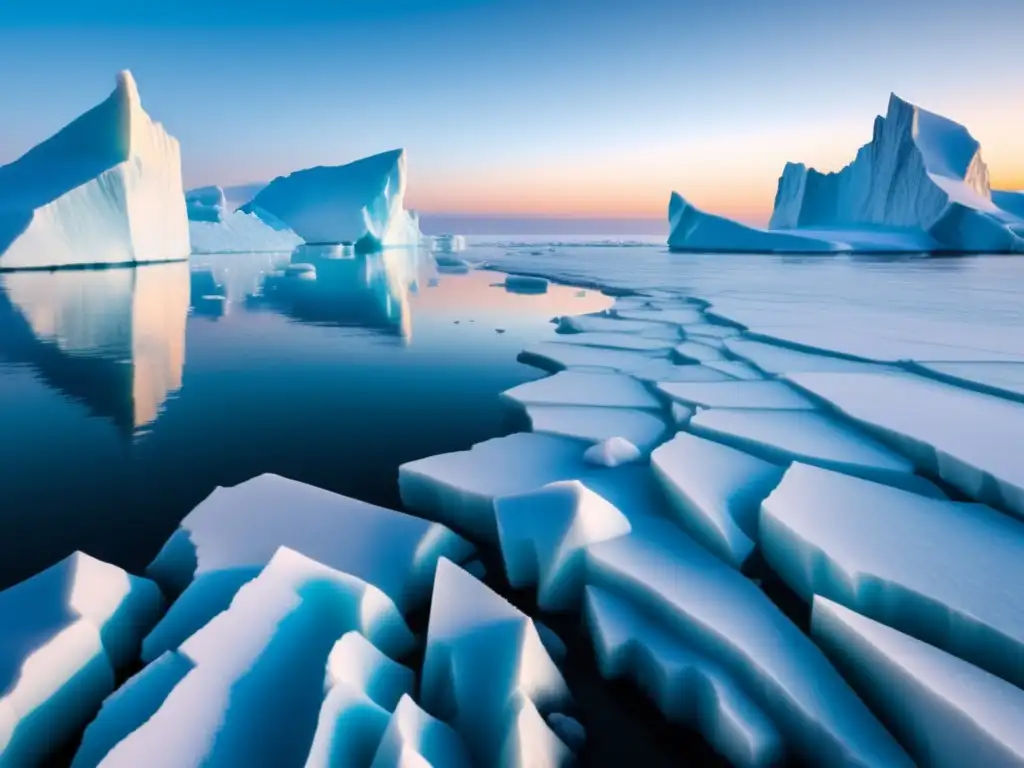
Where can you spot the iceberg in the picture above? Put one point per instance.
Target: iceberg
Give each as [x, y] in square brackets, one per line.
[886, 553]
[774, 395]
[947, 713]
[447, 243]
[642, 429]
[66, 633]
[226, 540]
[715, 492]
[106, 189]
[487, 673]
[214, 229]
[360, 203]
[581, 388]
[968, 439]
[414, 738]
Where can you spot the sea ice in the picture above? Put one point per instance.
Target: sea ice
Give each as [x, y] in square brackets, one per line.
[613, 452]
[526, 284]
[680, 315]
[706, 330]
[938, 570]
[214, 229]
[609, 340]
[774, 395]
[105, 189]
[776, 359]
[360, 203]
[645, 366]
[487, 673]
[577, 388]
[697, 352]
[415, 739]
[970, 440]
[64, 634]
[1002, 379]
[603, 324]
[686, 687]
[737, 369]
[234, 532]
[681, 414]
[715, 492]
[596, 424]
[946, 712]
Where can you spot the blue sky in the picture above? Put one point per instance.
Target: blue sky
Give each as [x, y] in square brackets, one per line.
[539, 107]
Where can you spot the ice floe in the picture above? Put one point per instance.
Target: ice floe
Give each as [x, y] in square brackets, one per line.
[715, 492]
[737, 394]
[696, 352]
[577, 388]
[597, 424]
[613, 452]
[737, 369]
[674, 314]
[603, 324]
[969, 439]
[644, 366]
[608, 340]
[944, 572]
[946, 712]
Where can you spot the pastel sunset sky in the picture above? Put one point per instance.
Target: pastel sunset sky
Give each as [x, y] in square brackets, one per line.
[544, 108]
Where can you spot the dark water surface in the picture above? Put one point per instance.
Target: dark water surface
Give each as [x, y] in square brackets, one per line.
[127, 395]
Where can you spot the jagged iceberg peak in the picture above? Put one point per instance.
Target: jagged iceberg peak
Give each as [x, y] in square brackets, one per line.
[106, 188]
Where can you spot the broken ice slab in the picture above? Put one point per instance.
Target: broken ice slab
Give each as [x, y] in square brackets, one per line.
[697, 352]
[641, 365]
[246, 688]
[697, 331]
[679, 315]
[604, 390]
[415, 738]
[595, 424]
[602, 324]
[737, 394]
[725, 617]
[969, 439]
[460, 488]
[946, 712]
[64, 634]
[715, 492]
[1002, 379]
[487, 673]
[945, 572]
[611, 453]
[233, 533]
[737, 369]
[686, 687]
[681, 414]
[810, 437]
[606, 340]
[543, 536]
[776, 359]
[526, 284]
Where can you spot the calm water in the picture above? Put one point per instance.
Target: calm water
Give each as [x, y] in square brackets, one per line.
[127, 395]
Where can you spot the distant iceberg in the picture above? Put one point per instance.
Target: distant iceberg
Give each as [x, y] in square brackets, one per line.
[919, 185]
[214, 228]
[361, 203]
[106, 189]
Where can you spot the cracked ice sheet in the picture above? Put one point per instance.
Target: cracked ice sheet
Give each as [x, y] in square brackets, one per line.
[970, 440]
[1002, 379]
[641, 428]
[774, 395]
[640, 365]
[605, 390]
[697, 352]
[571, 324]
[942, 571]
[947, 712]
[775, 359]
[606, 340]
[725, 617]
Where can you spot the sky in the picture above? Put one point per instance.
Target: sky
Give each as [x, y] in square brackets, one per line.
[582, 109]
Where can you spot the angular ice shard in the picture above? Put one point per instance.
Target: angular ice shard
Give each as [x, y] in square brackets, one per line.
[544, 534]
[613, 452]
[608, 340]
[64, 634]
[234, 532]
[249, 683]
[414, 739]
[595, 424]
[776, 359]
[106, 189]
[360, 203]
[813, 438]
[603, 324]
[938, 570]
[691, 229]
[946, 712]
[737, 369]
[920, 172]
[577, 388]
[487, 673]
[724, 617]
[696, 352]
[215, 229]
[460, 488]
[687, 687]
[774, 395]
[356, 662]
[970, 440]
[715, 492]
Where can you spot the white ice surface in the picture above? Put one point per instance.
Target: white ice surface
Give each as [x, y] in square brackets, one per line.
[640, 365]
[697, 352]
[1002, 379]
[946, 712]
[106, 189]
[775, 359]
[737, 369]
[774, 395]
[715, 492]
[64, 635]
[603, 324]
[612, 452]
[607, 340]
[487, 673]
[577, 388]
[595, 424]
[970, 440]
[673, 314]
[701, 331]
[686, 687]
[415, 739]
[941, 571]
[681, 414]
[234, 532]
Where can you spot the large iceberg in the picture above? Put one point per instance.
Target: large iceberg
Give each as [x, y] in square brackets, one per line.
[106, 189]
[213, 228]
[360, 203]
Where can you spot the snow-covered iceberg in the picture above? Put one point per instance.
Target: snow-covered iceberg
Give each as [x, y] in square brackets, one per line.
[106, 189]
[360, 203]
[213, 228]
[64, 635]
